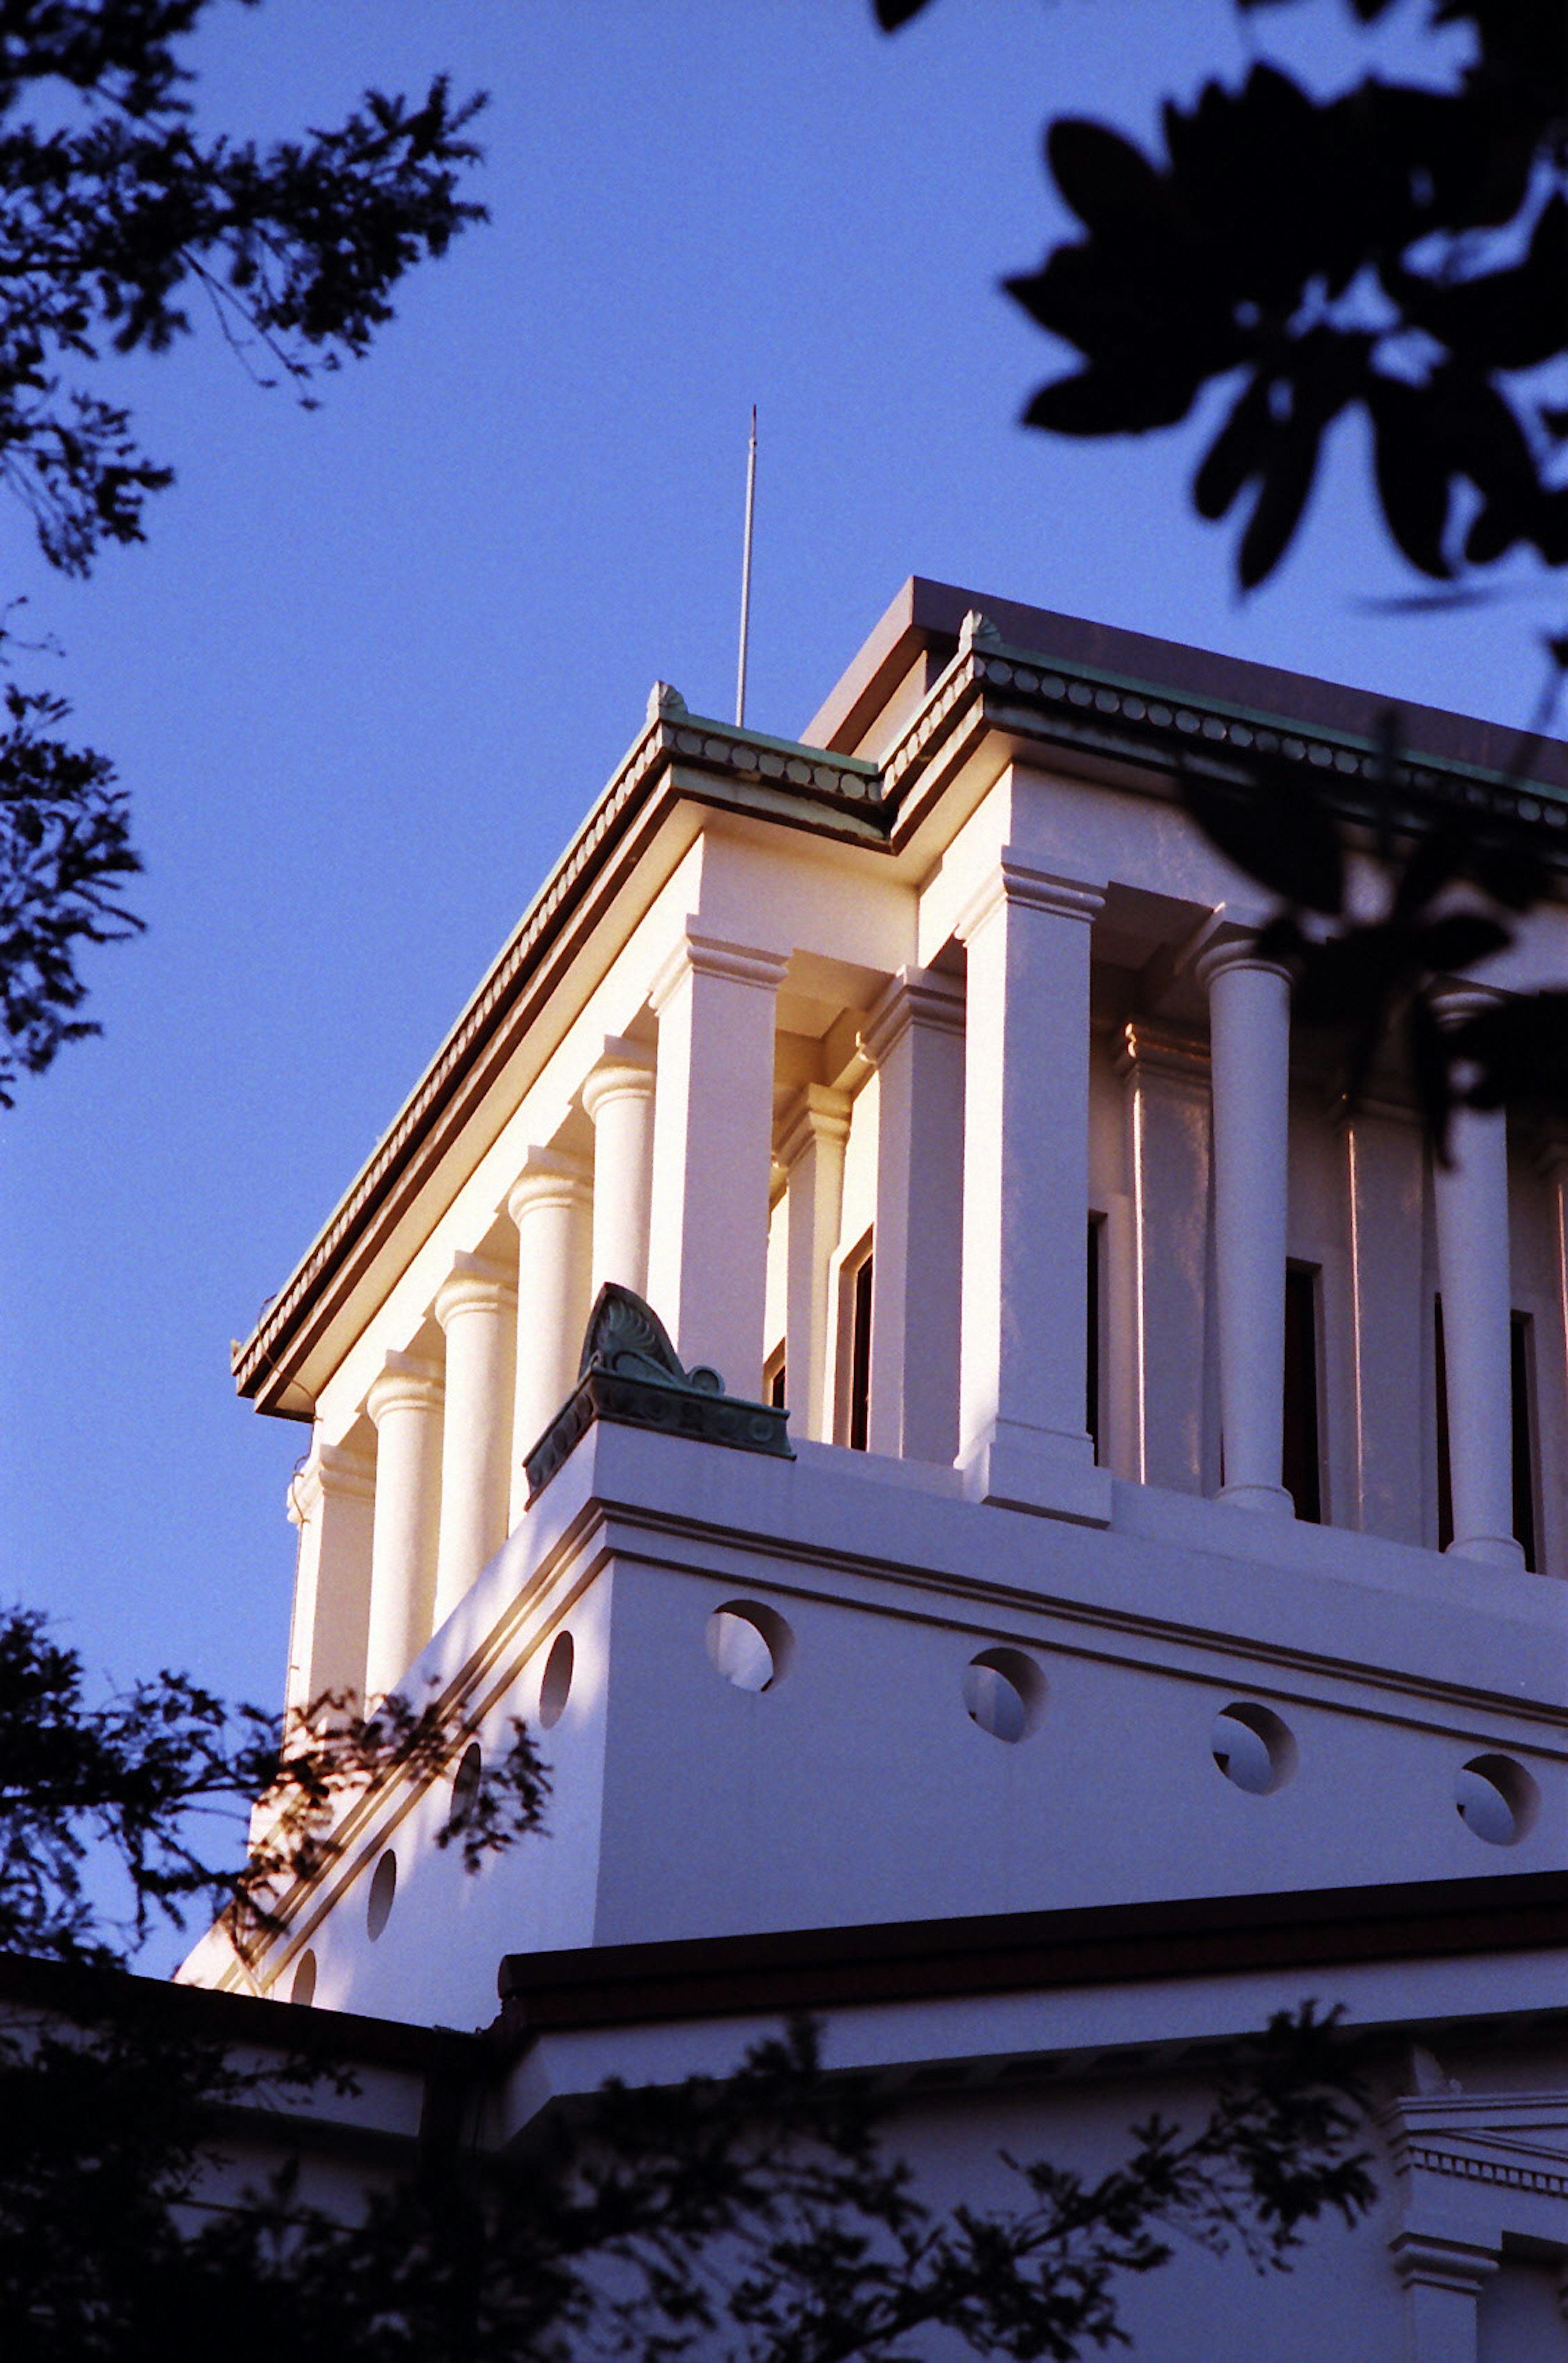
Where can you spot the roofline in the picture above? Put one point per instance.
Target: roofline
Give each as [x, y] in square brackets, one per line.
[919, 1961]
[1090, 688]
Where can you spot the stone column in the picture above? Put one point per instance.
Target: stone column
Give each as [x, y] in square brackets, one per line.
[331, 1500]
[405, 1402]
[1471, 1200]
[1385, 1181]
[1443, 2278]
[549, 1204]
[618, 1099]
[477, 1307]
[1249, 1001]
[1166, 1079]
[1026, 1195]
[915, 1039]
[713, 1154]
[813, 1157]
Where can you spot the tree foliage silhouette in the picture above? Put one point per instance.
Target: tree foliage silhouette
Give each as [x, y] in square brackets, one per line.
[1398, 249]
[118, 216]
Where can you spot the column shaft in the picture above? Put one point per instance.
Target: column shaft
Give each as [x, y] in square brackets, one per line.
[406, 1404]
[915, 1038]
[1471, 1195]
[549, 1205]
[1167, 1084]
[619, 1097]
[1249, 1003]
[813, 1154]
[713, 1155]
[332, 1503]
[1026, 1168]
[477, 1308]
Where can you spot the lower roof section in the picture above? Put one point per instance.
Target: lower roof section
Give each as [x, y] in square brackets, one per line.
[920, 1961]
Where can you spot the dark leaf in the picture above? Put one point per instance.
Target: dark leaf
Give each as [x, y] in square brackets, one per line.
[1519, 1050]
[1277, 832]
[1105, 401]
[1282, 497]
[1412, 480]
[1457, 941]
[1430, 1052]
[1238, 452]
[1109, 184]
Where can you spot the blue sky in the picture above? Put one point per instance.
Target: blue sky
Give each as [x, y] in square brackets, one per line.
[375, 662]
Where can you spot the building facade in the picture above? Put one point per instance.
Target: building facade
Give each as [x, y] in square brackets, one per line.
[1120, 1589]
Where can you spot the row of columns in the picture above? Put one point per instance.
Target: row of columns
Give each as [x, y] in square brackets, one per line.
[978, 1346]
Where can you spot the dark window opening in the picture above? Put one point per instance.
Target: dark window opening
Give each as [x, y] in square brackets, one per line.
[859, 1354]
[1445, 1473]
[1303, 1470]
[1521, 1408]
[1521, 1373]
[1091, 1336]
[774, 1374]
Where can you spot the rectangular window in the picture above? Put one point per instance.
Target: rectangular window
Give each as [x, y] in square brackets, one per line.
[858, 1283]
[1091, 1335]
[1303, 1459]
[1521, 1343]
[1522, 1390]
[774, 1378]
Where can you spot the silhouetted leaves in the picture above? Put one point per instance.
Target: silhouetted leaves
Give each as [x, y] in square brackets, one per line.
[1252, 245]
[110, 221]
[1277, 830]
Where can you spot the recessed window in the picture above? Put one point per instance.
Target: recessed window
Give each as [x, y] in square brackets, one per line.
[749, 1644]
[302, 1990]
[775, 1378]
[1252, 1748]
[382, 1895]
[1094, 1283]
[1004, 1692]
[1303, 1468]
[855, 1285]
[1496, 1798]
[556, 1688]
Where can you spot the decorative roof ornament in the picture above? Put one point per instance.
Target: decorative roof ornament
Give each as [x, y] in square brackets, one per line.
[663, 699]
[977, 630]
[631, 1375]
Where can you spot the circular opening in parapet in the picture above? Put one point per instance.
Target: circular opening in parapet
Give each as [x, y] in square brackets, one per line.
[751, 1645]
[1004, 1692]
[465, 1780]
[384, 1888]
[1252, 1748]
[302, 1990]
[1497, 1799]
[556, 1687]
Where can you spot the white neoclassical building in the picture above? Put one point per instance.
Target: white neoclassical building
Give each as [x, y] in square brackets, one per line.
[1122, 1588]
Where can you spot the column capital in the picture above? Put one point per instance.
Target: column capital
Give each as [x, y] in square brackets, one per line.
[623, 1071]
[549, 1178]
[331, 1473]
[1019, 883]
[1147, 1047]
[711, 956]
[474, 1284]
[406, 1382]
[1227, 946]
[814, 1115]
[1438, 2260]
[915, 996]
[1450, 1005]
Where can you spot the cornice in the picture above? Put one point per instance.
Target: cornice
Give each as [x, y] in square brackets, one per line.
[677, 752]
[988, 685]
